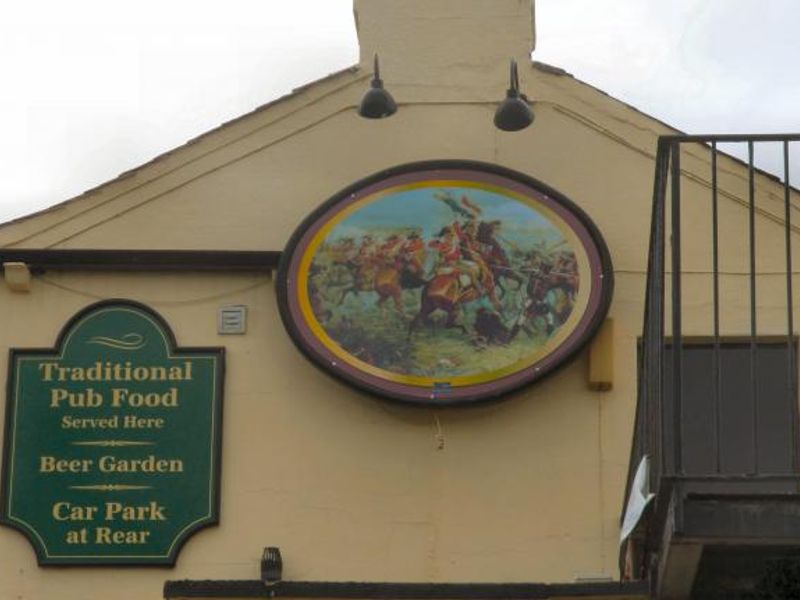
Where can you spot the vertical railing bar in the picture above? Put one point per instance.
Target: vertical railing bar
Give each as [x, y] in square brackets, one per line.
[645, 442]
[642, 439]
[658, 292]
[650, 365]
[647, 351]
[753, 311]
[790, 364]
[677, 342]
[716, 371]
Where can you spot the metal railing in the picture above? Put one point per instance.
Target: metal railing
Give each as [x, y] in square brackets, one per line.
[660, 423]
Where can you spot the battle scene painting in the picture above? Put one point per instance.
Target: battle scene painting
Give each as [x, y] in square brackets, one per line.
[444, 285]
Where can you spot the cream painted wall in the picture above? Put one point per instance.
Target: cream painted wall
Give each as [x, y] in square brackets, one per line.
[352, 488]
[349, 487]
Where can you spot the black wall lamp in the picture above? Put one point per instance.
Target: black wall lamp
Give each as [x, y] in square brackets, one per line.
[377, 103]
[271, 565]
[514, 113]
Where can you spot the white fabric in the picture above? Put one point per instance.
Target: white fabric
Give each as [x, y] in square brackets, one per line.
[640, 497]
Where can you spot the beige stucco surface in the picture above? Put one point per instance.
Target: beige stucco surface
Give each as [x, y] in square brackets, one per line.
[349, 487]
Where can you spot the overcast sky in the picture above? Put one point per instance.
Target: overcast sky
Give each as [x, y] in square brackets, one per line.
[91, 88]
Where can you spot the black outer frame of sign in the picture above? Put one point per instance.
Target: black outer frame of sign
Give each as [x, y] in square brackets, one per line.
[607, 270]
[171, 558]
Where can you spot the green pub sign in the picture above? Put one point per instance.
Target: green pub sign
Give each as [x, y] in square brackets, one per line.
[112, 440]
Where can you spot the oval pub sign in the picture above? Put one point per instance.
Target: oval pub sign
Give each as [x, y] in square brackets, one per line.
[444, 282]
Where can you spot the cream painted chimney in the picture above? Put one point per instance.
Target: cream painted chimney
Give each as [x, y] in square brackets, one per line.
[461, 45]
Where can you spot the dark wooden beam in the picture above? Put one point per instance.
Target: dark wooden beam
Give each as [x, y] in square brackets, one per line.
[677, 570]
[403, 591]
[143, 260]
[743, 519]
[678, 561]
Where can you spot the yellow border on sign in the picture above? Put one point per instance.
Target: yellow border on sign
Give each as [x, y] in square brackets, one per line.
[586, 285]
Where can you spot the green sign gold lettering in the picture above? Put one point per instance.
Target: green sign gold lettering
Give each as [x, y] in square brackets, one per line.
[114, 453]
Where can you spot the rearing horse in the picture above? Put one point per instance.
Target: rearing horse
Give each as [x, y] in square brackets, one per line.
[446, 293]
[540, 285]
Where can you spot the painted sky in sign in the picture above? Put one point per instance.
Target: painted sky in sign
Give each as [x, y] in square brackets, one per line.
[421, 211]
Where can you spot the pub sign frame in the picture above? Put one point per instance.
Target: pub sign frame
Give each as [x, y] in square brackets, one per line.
[490, 226]
[112, 448]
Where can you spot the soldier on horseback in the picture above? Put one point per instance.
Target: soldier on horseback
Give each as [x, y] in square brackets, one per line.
[366, 251]
[474, 260]
[388, 252]
[412, 254]
[458, 255]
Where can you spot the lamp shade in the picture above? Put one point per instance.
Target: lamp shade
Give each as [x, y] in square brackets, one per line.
[377, 103]
[514, 112]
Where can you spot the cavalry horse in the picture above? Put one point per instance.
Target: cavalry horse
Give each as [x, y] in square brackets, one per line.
[495, 257]
[551, 295]
[447, 293]
[388, 280]
[501, 269]
[443, 292]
